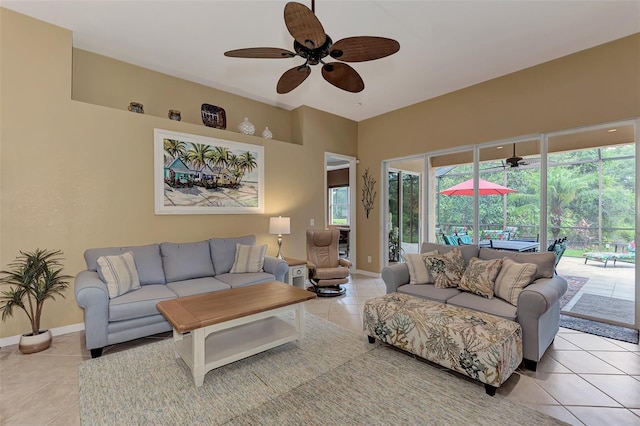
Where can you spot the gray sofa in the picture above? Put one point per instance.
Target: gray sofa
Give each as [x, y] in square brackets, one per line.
[538, 308]
[166, 271]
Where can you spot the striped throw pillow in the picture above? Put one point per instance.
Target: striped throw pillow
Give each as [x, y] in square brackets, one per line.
[119, 273]
[248, 259]
[512, 279]
[418, 271]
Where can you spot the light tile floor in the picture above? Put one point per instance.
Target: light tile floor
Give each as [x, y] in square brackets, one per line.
[582, 379]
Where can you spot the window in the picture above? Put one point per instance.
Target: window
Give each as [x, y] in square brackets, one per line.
[339, 206]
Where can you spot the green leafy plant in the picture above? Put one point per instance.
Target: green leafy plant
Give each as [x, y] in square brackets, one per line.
[395, 251]
[34, 277]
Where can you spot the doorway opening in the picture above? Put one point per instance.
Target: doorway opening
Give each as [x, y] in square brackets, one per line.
[340, 200]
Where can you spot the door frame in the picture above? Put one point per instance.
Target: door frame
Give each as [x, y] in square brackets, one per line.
[353, 161]
[384, 202]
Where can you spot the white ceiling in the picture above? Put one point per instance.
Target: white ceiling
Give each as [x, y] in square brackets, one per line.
[444, 45]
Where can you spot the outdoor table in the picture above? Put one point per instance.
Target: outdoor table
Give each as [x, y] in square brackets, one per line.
[510, 245]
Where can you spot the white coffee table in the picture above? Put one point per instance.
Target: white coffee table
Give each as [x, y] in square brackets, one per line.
[214, 329]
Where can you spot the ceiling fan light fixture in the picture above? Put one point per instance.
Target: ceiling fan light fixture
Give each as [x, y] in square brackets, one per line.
[313, 44]
[515, 160]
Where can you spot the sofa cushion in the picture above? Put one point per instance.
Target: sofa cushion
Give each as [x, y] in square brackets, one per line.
[429, 291]
[186, 260]
[468, 251]
[223, 251]
[197, 286]
[493, 306]
[240, 280]
[545, 262]
[512, 279]
[480, 276]
[139, 303]
[249, 259]
[418, 271]
[147, 258]
[447, 268]
[119, 273]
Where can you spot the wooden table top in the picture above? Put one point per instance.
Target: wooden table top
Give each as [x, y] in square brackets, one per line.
[201, 310]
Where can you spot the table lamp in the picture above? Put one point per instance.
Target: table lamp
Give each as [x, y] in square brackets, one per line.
[279, 225]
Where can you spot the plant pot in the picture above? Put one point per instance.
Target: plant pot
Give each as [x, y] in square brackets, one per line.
[30, 344]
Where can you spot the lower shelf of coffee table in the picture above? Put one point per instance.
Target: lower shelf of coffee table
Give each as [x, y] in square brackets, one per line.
[232, 344]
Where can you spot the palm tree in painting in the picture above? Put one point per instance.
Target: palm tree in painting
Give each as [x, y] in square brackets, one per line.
[199, 155]
[219, 159]
[246, 163]
[175, 148]
[234, 169]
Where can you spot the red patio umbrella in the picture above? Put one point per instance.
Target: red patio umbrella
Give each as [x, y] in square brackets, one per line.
[484, 188]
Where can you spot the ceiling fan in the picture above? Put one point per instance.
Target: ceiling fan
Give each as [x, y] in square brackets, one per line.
[514, 161]
[313, 45]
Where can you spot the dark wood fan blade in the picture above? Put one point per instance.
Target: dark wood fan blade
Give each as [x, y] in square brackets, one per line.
[364, 48]
[260, 52]
[303, 25]
[293, 78]
[343, 77]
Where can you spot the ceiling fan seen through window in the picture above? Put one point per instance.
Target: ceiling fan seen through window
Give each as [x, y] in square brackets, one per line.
[313, 45]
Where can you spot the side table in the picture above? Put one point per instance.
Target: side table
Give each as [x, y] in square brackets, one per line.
[297, 275]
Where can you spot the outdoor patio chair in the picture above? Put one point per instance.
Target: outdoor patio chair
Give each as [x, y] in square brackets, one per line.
[558, 248]
[450, 240]
[511, 232]
[461, 236]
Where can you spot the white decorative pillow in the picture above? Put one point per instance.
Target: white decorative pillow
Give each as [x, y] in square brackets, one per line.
[249, 259]
[480, 276]
[119, 273]
[513, 278]
[418, 271]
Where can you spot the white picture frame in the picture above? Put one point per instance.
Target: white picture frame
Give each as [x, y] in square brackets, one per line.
[203, 175]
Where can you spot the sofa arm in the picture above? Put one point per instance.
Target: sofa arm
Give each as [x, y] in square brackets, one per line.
[394, 276]
[277, 267]
[540, 296]
[92, 295]
[539, 316]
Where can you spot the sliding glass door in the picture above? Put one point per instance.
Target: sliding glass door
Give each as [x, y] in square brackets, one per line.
[404, 180]
[591, 215]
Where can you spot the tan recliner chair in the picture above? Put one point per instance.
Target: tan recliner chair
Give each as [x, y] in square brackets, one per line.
[326, 269]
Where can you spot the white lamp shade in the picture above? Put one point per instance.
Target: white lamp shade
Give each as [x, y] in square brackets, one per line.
[279, 225]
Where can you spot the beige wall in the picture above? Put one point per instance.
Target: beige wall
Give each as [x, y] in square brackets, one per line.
[79, 174]
[105, 81]
[593, 86]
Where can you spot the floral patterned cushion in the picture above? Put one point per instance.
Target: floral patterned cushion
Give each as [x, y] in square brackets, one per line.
[482, 346]
[480, 276]
[447, 269]
[513, 278]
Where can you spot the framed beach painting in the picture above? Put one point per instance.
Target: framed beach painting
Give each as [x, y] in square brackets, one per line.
[202, 175]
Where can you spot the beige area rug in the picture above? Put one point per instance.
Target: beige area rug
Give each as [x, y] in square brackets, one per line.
[331, 377]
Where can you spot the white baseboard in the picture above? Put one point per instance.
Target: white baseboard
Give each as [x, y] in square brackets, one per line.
[367, 273]
[14, 340]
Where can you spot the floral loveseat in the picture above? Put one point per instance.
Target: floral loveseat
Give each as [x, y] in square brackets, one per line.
[521, 287]
[121, 286]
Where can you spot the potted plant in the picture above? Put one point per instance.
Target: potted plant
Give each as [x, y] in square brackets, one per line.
[394, 245]
[33, 278]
